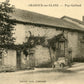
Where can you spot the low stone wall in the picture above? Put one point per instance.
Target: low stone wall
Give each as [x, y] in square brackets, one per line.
[7, 68]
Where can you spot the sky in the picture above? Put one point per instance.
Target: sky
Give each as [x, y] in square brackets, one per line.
[71, 8]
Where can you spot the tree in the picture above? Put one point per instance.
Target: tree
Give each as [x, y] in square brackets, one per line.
[6, 25]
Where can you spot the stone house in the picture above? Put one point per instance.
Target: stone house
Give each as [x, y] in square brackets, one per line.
[80, 36]
[62, 38]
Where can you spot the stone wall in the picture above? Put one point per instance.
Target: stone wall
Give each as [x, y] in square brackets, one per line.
[72, 43]
[81, 44]
[8, 60]
[21, 31]
[42, 55]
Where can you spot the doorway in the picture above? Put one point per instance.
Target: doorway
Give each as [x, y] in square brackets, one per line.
[18, 59]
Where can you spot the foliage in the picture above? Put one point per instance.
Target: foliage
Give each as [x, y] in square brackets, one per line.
[6, 25]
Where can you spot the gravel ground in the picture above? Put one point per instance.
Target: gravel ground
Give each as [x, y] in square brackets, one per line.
[73, 75]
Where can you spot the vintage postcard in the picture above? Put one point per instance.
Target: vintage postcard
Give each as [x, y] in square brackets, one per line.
[41, 41]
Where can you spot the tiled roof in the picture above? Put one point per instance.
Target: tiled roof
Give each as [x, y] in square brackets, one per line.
[73, 19]
[36, 18]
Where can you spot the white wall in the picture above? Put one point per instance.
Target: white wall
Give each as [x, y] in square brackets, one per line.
[21, 31]
[73, 43]
[41, 55]
[10, 58]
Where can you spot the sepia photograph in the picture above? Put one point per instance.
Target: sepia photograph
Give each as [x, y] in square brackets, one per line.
[41, 42]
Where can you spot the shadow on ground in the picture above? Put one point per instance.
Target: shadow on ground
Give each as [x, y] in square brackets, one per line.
[49, 71]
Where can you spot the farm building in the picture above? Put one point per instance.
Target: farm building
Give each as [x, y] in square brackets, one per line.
[49, 38]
